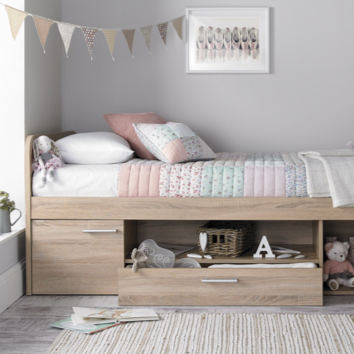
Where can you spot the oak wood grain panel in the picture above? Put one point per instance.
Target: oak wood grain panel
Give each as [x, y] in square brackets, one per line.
[318, 240]
[341, 229]
[28, 195]
[185, 232]
[254, 287]
[130, 239]
[67, 261]
[343, 290]
[188, 208]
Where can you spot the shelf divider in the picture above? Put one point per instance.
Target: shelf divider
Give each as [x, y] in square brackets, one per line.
[317, 239]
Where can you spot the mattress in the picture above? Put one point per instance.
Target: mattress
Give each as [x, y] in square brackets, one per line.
[80, 181]
[229, 175]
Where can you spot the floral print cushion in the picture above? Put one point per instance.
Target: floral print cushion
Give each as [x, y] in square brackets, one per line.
[173, 142]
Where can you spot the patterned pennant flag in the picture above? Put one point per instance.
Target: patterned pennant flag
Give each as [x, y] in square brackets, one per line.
[162, 27]
[111, 38]
[89, 34]
[66, 31]
[43, 25]
[16, 17]
[129, 37]
[177, 24]
[146, 32]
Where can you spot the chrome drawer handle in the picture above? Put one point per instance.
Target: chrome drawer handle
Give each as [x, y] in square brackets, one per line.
[219, 280]
[98, 231]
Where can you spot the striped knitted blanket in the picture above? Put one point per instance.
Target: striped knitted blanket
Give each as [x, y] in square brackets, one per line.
[229, 175]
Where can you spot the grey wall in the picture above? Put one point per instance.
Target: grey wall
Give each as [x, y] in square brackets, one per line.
[305, 103]
[42, 71]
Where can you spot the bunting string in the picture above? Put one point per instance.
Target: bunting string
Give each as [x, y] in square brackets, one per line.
[66, 30]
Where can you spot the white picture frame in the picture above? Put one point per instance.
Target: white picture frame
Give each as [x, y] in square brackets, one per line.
[243, 33]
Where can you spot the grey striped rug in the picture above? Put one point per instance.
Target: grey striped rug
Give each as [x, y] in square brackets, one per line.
[218, 334]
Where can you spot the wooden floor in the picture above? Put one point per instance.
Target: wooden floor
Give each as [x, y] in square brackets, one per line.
[24, 326]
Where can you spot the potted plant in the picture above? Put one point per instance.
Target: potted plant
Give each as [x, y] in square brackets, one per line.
[7, 206]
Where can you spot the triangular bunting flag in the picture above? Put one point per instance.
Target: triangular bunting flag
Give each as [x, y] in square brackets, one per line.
[162, 27]
[177, 24]
[43, 26]
[89, 34]
[16, 17]
[146, 32]
[129, 37]
[111, 38]
[66, 31]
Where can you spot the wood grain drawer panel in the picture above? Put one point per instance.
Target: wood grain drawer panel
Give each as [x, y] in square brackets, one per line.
[181, 287]
[68, 261]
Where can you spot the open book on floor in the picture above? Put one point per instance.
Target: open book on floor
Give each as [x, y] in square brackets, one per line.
[87, 328]
[99, 316]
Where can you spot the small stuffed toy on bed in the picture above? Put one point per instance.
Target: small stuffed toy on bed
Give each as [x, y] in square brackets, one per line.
[46, 158]
[337, 270]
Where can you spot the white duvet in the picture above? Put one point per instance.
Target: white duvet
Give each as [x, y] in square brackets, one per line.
[80, 181]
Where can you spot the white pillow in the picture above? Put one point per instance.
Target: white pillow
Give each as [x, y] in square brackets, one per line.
[97, 148]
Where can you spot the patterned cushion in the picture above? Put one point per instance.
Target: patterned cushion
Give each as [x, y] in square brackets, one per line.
[173, 142]
[121, 124]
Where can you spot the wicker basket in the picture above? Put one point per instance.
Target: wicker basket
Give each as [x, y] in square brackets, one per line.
[227, 238]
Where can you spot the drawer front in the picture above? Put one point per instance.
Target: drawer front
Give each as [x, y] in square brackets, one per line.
[218, 287]
[76, 256]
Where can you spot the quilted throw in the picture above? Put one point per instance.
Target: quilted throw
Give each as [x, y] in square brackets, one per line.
[229, 175]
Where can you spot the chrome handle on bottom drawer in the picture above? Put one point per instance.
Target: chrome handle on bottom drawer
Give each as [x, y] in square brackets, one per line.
[219, 280]
[98, 231]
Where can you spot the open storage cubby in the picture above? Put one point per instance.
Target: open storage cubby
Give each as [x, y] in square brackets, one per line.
[303, 236]
[342, 230]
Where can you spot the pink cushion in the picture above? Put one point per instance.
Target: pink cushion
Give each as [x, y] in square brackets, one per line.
[175, 151]
[122, 124]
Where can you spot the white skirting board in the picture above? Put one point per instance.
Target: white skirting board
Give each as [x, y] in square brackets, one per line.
[12, 284]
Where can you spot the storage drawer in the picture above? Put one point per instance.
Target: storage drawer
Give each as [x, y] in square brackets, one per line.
[67, 260]
[253, 287]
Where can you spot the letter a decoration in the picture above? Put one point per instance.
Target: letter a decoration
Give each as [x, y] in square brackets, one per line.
[264, 247]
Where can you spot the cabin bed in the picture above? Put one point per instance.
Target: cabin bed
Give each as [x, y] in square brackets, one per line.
[82, 245]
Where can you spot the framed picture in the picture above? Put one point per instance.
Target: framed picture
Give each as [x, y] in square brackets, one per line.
[227, 40]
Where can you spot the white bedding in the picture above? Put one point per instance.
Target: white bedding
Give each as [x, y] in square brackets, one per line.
[80, 181]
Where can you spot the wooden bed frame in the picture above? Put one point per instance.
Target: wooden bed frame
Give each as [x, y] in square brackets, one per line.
[128, 210]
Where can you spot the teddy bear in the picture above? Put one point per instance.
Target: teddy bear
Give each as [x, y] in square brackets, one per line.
[46, 156]
[337, 270]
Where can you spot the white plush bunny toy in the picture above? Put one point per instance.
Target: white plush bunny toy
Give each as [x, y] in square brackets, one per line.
[46, 156]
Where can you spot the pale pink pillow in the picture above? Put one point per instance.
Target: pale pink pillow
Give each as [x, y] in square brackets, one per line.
[122, 124]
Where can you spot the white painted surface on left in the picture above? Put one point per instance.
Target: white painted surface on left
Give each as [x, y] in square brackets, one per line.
[12, 267]
[12, 110]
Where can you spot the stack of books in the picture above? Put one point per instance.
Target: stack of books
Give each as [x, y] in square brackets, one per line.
[88, 320]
